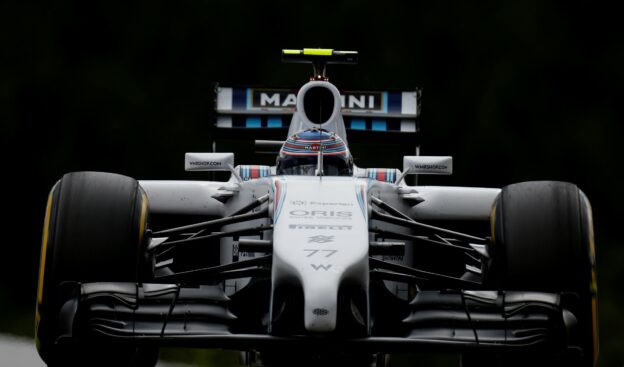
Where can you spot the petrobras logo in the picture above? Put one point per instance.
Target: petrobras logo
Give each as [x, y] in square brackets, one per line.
[276, 98]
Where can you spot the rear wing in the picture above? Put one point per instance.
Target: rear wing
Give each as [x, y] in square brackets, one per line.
[265, 113]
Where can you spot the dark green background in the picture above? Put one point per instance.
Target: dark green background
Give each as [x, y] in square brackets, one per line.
[515, 91]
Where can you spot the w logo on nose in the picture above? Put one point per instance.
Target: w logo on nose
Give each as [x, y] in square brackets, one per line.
[318, 267]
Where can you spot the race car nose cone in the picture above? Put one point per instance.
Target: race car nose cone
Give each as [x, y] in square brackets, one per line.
[320, 242]
[321, 302]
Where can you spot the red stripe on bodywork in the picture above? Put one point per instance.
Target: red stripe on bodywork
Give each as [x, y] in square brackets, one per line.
[381, 175]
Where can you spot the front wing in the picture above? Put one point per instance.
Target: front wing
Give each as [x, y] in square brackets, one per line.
[203, 316]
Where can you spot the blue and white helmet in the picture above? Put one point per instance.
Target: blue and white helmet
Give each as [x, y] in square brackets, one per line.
[299, 154]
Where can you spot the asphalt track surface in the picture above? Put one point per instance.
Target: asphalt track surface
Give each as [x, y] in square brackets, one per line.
[16, 351]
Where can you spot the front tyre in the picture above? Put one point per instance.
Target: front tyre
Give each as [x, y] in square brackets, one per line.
[543, 241]
[93, 231]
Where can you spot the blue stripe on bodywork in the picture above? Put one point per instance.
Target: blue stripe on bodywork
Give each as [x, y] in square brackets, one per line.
[385, 101]
[239, 98]
[361, 188]
[395, 100]
[249, 99]
[358, 124]
[274, 122]
[372, 173]
[379, 125]
[279, 190]
[253, 122]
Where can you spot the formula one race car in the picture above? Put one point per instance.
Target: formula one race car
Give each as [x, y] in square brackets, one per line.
[315, 260]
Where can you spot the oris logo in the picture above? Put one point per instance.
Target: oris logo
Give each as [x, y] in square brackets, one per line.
[321, 213]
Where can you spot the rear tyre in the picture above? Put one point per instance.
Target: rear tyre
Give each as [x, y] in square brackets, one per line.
[93, 231]
[543, 241]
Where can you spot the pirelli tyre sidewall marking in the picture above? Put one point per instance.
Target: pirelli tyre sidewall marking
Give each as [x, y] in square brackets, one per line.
[593, 283]
[143, 219]
[42, 262]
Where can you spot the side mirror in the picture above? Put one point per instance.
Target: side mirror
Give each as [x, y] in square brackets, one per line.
[210, 162]
[426, 165]
[423, 165]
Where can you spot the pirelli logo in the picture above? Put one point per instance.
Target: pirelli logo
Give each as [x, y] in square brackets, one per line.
[321, 227]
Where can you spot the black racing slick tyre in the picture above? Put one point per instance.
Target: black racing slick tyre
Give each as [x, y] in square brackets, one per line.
[93, 231]
[543, 241]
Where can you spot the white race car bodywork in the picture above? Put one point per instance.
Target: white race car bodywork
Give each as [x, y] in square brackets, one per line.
[439, 202]
[320, 231]
[320, 241]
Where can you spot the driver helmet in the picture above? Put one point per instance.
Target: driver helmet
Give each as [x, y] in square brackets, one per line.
[299, 154]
